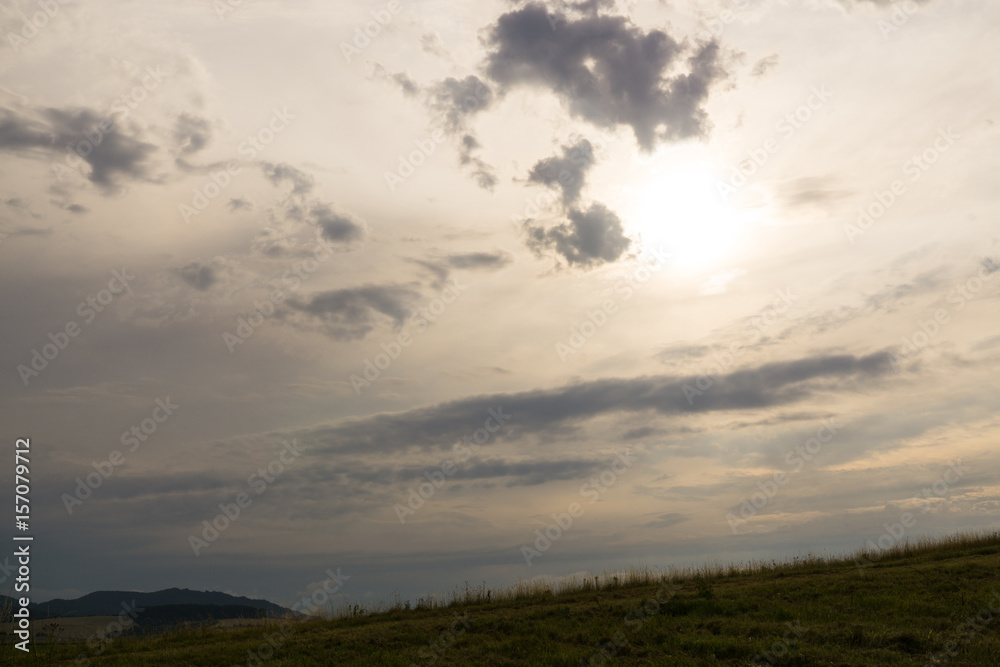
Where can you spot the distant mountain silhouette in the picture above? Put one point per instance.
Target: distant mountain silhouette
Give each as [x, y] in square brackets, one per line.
[109, 603]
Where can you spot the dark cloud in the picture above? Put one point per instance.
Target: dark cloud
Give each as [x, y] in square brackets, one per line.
[457, 99]
[893, 296]
[522, 473]
[440, 268]
[20, 133]
[301, 182]
[240, 204]
[28, 231]
[117, 155]
[765, 65]
[685, 352]
[296, 206]
[431, 43]
[588, 238]
[479, 260]
[337, 227]
[530, 473]
[438, 427]
[591, 237]
[77, 208]
[592, 6]
[169, 484]
[667, 520]
[199, 276]
[484, 174]
[191, 133]
[607, 70]
[986, 343]
[284, 235]
[18, 203]
[401, 79]
[640, 433]
[567, 172]
[352, 313]
[889, 297]
[437, 269]
[811, 190]
[405, 83]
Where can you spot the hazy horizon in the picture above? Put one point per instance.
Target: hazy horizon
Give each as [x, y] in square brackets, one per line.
[398, 284]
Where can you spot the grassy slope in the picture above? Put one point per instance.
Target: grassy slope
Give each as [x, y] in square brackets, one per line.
[907, 606]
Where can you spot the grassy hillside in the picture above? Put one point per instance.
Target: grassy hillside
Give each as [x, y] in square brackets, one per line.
[911, 606]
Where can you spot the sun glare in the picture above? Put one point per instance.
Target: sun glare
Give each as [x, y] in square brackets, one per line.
[681, 210]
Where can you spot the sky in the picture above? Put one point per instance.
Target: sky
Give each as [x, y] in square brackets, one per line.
[428, 293]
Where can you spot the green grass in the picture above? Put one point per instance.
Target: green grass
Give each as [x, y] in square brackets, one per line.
[901, 609]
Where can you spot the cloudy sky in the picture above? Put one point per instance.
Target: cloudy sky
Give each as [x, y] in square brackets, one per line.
[399, 281]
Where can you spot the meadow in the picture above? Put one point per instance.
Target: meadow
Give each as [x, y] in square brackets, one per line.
[931, 602]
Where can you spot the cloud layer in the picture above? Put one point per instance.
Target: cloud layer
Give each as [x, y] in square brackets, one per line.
[607, 70]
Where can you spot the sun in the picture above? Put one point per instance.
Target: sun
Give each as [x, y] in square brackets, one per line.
[681, 210]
